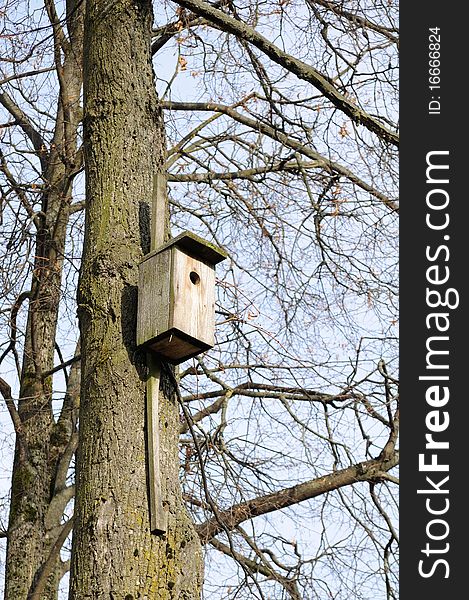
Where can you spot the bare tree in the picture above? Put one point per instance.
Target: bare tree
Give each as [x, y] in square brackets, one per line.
[281, 128]
[40, 160]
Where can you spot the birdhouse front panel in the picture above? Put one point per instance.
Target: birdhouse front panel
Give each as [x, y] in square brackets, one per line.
[193, 290]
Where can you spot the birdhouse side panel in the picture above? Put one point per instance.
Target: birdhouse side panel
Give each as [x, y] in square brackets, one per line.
[153, 297]
[193, 292]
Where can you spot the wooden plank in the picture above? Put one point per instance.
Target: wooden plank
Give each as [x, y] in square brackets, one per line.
[176, 346]
[158, 516]
[200, 248]
[158, 212]
[153, 297]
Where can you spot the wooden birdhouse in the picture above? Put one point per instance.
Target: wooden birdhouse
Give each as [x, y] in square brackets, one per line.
[176, 298]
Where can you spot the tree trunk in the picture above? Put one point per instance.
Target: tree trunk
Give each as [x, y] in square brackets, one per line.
[42, 441]
[114, 554]
[37, 496]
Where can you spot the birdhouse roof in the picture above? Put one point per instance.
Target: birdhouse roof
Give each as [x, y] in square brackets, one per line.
[195, 246]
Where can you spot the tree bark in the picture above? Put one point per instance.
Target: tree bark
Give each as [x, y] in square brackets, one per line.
[33, 530]
[114, 554]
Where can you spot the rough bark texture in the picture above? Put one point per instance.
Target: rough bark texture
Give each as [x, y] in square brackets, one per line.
[37, 494]
[114, 555]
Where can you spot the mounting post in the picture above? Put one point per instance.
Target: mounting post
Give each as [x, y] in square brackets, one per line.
[158, 515]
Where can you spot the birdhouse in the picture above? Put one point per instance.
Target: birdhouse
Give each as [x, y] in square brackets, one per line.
[176, 298]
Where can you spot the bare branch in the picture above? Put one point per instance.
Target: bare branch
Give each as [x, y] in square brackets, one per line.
[23, 121]
[357, 19]
[63, 365]
[296, 66]
[5, 390]
[288, 141]
[165, 33]
[265, 390]
[17, 76]
[363, 471]
[259, 566]
[242, 173]
[40, 580]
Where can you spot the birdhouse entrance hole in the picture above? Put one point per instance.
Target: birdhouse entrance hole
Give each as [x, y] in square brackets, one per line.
[194, 277]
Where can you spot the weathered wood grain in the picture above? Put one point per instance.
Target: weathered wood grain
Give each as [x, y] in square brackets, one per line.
[193, 294]
[153, 297]
[158, 516]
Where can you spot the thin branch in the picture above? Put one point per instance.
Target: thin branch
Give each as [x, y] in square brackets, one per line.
[382, 512]
[19, 191]
[13, 328]
[5, 390]
[364, 471]
[205, 412]
[165, 33]
[299, 68]
[59, 35]
[264, 390]
[288, 141]
[241, 174]
[23, 121]
[175, 152]
[16, 76]
[259, 567]
[40, 580]
[63, 365]
[355, 19]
